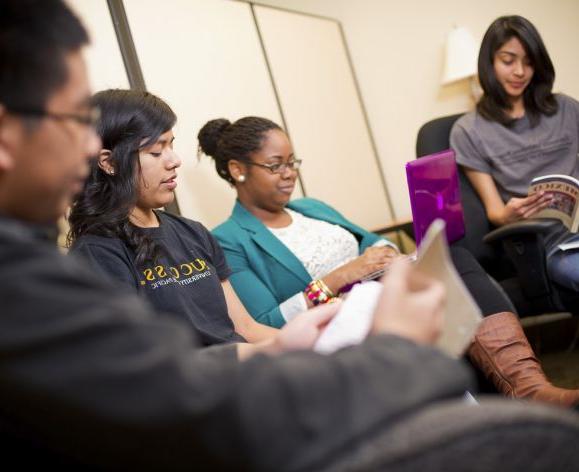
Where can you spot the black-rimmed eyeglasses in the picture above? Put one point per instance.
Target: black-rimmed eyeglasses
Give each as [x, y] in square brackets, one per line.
[90, 118]
[279, 168]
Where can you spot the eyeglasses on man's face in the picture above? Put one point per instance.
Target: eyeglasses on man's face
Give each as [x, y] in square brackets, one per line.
[279, 168]
[90, 118]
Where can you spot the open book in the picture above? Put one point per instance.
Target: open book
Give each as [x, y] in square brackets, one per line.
[565, 190]
[461, 315]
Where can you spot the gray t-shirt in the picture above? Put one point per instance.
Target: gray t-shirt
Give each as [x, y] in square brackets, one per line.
[514, 156]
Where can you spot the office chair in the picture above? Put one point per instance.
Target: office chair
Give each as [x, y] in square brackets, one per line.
[513, 254]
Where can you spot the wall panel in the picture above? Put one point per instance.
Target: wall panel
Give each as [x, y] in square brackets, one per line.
[324, 115]
[204, 58]
[103, 56]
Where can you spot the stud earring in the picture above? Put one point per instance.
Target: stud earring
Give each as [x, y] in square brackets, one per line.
[241, 178]
[111, 172]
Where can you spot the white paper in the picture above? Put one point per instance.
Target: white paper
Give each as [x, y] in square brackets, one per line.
[468, 398]
[568, 246]
[352, 323]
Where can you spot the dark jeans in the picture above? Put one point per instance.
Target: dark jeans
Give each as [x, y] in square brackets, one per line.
[563, 268]
[488, 295]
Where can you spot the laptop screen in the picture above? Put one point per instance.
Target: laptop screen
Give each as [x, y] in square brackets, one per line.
[435, 193]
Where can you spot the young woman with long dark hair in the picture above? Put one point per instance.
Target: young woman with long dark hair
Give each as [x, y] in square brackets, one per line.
[520, 130]
[116, 225]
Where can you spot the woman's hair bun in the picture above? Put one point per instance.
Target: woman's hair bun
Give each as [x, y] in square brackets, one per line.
[210, 133]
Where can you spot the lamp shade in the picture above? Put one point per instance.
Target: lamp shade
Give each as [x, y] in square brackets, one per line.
[461, 56]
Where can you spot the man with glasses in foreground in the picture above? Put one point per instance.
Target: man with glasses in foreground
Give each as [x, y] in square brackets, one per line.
[91, 377]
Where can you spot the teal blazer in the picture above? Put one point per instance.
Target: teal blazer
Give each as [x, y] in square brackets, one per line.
[265, 272]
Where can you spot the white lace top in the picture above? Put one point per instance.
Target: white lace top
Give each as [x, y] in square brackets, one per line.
[320, 246]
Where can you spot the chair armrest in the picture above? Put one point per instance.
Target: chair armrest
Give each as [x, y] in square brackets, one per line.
[523, 245]
[399, 225]
[525, 227]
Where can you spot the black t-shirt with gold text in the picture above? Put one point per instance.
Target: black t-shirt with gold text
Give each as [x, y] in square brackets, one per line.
[185, 280]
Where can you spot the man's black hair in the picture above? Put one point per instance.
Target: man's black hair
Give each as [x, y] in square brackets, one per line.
[35, 37]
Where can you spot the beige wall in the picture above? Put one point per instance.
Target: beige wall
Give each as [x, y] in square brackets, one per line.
[209, 66]
[103, 56]
[212, 65]
[397, 51]
[323, 115]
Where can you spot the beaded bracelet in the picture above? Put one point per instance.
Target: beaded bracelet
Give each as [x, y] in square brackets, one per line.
[325, 288]
[318, 292]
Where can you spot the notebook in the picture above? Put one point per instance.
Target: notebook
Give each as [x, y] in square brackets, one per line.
[435, 193]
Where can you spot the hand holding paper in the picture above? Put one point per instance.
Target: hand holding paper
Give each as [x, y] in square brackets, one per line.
[303, 331]
[411, 305]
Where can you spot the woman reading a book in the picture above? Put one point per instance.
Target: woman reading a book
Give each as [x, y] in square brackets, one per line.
[520, 130]
[286, 256]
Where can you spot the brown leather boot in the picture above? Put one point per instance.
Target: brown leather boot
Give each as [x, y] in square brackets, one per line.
[501, 350]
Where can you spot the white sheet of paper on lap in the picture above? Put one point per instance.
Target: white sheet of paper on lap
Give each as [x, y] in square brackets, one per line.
[352, 323]
[461, 315]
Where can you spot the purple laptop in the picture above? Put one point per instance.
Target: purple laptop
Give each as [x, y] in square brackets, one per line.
[435, 193]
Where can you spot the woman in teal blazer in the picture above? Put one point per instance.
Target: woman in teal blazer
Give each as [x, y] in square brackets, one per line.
[256, 157]
[265, 272]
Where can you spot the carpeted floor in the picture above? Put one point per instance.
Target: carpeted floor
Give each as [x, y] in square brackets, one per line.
[555, 339]
[562, 368]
